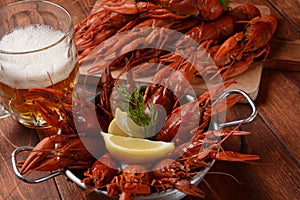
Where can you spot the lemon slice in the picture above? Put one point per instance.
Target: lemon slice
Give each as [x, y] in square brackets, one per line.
[127, 125]
[136, 150]
[114, 129]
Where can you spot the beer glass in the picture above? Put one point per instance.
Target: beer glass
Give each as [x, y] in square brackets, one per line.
[37, 50]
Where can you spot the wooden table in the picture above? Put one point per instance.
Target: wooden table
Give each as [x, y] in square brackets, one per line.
[275, 131]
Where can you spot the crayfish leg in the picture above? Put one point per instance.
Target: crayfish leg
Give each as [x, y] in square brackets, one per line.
[125, 196]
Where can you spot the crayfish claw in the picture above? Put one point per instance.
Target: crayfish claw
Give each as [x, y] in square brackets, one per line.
[38, 154]
[57, 152]
[30, 163]
[235, 156]
[186, 187]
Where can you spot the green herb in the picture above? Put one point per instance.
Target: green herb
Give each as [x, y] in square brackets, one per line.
[135, 106]
[224, 3]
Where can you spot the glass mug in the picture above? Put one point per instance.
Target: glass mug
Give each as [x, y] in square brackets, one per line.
[37, 50]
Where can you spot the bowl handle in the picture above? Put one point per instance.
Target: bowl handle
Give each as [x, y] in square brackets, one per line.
[241, 121]
[26, 179]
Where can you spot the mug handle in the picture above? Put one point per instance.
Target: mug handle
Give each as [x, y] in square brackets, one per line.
[3, 111]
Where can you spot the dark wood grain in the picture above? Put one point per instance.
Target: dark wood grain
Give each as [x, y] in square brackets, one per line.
[275, 131]
[292, 77]
[281, 109]
[12, 136]
[243, 178]
[283, 55]
[288, 9]
[274, 153]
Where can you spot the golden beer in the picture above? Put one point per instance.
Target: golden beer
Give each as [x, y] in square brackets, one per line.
[37, 52]
[22, 106]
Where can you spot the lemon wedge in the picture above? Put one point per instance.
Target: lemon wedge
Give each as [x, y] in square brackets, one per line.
[136, 150]
[114, 129]
[127, 125]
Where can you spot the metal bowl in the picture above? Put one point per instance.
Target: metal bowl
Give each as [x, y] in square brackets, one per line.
[170, 193]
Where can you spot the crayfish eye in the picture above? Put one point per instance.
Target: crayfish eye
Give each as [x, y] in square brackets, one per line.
[246, 40]
[239, 42]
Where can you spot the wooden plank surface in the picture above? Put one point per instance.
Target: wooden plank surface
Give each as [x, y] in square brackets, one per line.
[289, 10]
[13, 135]
[274, 153]
[281, 113]
[275, 135]
[284, 55]
[273, 156]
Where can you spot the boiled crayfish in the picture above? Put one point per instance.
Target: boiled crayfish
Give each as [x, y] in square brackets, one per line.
[218, 37]
[78, 123]
[174, 172]
[237, 53]
[234, 38]
[67, 151]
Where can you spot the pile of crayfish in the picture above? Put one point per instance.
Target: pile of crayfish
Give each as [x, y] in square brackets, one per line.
[234, 38]
[79, 132]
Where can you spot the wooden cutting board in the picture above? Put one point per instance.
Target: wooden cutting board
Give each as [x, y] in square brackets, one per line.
[248, 81]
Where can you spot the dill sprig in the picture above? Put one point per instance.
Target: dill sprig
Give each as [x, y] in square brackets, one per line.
[224, 3]
[137, 109]
[135, 106]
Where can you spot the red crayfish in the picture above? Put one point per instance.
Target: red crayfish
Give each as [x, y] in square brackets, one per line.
[174, 172]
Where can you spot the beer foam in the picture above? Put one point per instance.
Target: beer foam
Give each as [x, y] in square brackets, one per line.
[35, 69]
